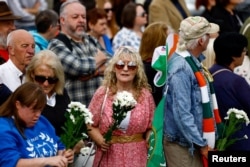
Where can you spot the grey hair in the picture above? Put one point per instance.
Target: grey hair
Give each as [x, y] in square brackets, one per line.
[10, 38]
[190, 44]
[66, 3]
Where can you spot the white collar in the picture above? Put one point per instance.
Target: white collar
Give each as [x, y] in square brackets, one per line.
[51, 101]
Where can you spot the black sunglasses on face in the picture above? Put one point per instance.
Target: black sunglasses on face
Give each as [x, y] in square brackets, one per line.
[130, 65]
[108, 10]
[41, 79]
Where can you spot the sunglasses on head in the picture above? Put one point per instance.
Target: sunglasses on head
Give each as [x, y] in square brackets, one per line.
[108, 10]
[121, 64]
[143, 14]
[41, 79]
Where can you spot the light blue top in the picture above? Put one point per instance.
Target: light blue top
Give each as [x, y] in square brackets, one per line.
[183, 114]
[40, 41]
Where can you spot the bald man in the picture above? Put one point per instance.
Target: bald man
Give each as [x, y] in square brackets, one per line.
[20, 44]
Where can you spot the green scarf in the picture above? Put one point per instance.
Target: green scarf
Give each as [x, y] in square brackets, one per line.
[205, 81]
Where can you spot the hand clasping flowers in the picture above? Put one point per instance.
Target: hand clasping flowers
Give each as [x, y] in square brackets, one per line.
[234, 120]
[123, 103]
[75, 129]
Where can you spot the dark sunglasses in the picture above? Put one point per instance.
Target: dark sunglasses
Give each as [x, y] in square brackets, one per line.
[108, 10]
[143, 14]
[130, 65]
[41, 79]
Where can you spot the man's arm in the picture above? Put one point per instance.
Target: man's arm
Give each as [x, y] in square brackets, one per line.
[76, 62]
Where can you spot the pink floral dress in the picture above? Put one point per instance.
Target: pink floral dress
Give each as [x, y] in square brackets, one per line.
[132, 154]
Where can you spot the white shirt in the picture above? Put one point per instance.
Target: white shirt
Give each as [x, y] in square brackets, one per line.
[51, 101]
[10, 75]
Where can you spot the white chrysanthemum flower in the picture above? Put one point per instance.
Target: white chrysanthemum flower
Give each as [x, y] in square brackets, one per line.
[83, 108]
[239, 114]
[125, 98]
[74, 104]
[234, 121]
[76, 113]
[88, 120]
[72, 118]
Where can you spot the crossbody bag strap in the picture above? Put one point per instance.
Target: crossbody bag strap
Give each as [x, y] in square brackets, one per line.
[218, 71]
[92, 144]
[104, 101]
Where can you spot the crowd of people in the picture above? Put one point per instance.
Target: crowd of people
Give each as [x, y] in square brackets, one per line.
[90, 50]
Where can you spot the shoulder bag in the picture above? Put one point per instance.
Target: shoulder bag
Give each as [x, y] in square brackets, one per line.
[87, 160]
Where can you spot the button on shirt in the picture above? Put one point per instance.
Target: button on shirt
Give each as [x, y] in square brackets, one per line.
[10, 75]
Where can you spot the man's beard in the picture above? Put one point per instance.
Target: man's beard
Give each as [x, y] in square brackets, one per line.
[3, 41]
[78, 34]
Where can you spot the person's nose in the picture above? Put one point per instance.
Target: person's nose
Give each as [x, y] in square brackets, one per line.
[125, 67]
[46, 83]
[31, 50]
[38, 114]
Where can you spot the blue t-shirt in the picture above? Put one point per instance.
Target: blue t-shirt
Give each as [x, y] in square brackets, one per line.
[41, 141]
[108, 44]
[40, 41]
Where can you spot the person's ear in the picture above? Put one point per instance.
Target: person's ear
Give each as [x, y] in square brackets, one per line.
[62, 20]
[91, 26]
[18, 104]
[200, 41]
[50, 27]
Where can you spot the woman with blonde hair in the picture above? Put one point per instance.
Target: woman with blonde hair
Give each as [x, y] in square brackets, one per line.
[129, 142]
[45, 69]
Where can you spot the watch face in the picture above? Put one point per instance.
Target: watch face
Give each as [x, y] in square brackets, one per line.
[155, 152]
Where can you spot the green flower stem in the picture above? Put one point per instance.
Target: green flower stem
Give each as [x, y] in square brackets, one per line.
[221, 144]
[232, 125]
[79, 126]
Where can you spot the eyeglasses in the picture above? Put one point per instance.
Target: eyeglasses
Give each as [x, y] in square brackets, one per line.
[143, 14]
[108, 10]
[41, 79]
[130, 65]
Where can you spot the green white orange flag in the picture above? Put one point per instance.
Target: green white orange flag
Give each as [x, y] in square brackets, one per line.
[161, 54]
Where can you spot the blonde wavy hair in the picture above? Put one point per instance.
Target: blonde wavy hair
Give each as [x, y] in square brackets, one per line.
[48, 58]
[140, 81]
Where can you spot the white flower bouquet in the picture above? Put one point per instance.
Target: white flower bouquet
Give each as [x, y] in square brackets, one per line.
[234, 120]
[75, 129]
[123, 103]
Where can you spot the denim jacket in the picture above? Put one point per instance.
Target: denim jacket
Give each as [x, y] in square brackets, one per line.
[183, 114]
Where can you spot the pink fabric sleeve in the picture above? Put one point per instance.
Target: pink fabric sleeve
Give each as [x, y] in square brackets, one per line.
[96, 104]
